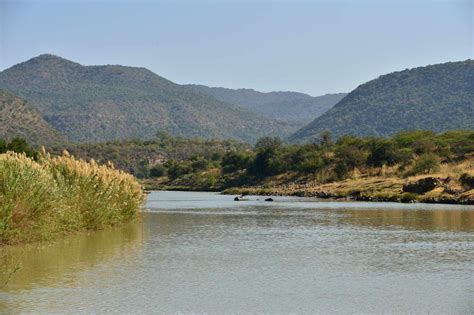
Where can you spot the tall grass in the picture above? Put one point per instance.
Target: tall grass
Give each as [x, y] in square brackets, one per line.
[57, 195]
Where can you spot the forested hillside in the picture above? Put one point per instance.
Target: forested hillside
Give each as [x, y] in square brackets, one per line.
[438, 98]
[19, 119]
[140, 157]
[100, 103]
[295, 108]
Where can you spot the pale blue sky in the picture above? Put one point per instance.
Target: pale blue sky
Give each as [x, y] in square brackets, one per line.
[315, 47]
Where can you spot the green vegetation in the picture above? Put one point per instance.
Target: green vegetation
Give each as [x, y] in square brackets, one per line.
[295, 108]
[18, 145]
[48, 196]
[112, 102]
[438, 98]
[362, 167]
[19, 119]
[151, 158]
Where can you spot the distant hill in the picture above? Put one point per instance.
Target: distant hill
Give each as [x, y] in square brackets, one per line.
[18, 119]
[437, 97]
[101, 103]
[296, 108]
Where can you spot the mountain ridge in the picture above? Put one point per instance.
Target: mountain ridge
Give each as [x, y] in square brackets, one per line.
[19, 119]
[114, 102]
[435, 97]
[293, 107]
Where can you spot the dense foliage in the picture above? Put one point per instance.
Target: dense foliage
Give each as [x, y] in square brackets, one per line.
[437, 98]
[19, 119]
[18, 145]
[56, 195]
[145, 158]
[412, 153]
[296, 108]
[102, 103]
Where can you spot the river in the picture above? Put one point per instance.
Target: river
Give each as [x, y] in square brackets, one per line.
[204, 253]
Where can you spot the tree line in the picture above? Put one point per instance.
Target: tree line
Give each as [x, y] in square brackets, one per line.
[410, 153]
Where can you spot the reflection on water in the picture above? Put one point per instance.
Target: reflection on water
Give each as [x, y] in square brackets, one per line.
[205, 253]
[451, 220]
[58, 264]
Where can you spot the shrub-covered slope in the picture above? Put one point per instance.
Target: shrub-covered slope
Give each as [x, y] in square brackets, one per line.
[438, 98]
[296, 108]
[19, 119]
[99, 103]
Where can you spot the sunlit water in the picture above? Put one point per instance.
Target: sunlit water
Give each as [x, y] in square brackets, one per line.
[205, 253]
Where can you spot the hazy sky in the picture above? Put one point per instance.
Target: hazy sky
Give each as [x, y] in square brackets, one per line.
[315, 47]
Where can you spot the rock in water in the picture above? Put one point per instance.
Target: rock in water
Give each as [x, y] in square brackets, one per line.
[422, 186]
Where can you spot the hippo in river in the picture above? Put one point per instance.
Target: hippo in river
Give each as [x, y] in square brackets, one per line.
[240, 198]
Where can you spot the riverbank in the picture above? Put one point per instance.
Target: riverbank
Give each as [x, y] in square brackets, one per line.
[452, 185]
[435, 188]
[48, 197]
[417, 166]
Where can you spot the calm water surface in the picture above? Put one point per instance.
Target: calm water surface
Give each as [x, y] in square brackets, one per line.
[205, 253]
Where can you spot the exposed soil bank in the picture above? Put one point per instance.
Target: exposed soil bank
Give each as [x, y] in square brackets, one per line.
[427, 189]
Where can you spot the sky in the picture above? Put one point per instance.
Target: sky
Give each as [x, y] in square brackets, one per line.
[315, 47]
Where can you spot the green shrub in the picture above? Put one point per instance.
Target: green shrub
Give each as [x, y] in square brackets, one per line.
[426, 163]
[157, 171]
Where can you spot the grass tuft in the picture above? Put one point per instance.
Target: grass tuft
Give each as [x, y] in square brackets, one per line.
[56, 195]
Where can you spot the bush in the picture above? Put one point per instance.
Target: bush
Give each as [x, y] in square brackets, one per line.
[20, 145]
[265, 164]
[426, 163]
[268, 143]
[382, 152]
[310, 164]
[341, 170]
[157, 171]
[177, 169]
[199, 165]
[234, 161]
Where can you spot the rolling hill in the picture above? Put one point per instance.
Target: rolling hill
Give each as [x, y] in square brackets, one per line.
[436, 97]
[292, 107]
[19, 119]
[112, 102]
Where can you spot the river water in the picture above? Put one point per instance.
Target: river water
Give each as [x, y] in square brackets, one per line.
[205, 253]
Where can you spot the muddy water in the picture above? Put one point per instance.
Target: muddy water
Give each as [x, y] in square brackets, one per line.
[203, 252]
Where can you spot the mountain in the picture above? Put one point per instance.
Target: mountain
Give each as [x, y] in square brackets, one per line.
[19, 119]
[111, 102]
[295, 108]
[436, 97]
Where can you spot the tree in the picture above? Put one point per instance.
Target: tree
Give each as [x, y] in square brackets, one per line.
[351, 155]
[268, 143]
[265, 163]
[381, 152]
[235, 161]
[199, 164]
[20, 145]
[177, 169]
[3, 146]
[427, 163]
[157, 171]
[326, 139]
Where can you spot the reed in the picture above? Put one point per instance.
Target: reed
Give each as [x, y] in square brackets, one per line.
[57, 195]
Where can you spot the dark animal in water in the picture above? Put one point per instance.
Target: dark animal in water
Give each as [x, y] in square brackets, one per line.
[240, 198]
[269, 199]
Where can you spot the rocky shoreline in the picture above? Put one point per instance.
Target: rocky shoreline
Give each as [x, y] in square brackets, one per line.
[426, 190]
